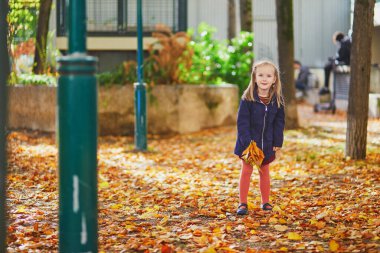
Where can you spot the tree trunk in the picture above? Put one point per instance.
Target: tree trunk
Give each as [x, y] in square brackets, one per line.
[41, 37]
[246, 15]
[357, 115]
[231, 19]
[284, 13]
[4, 74]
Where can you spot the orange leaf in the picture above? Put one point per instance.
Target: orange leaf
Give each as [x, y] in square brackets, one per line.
[166, 249]
[334, 246]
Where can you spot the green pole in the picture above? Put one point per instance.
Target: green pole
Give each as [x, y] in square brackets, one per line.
[77, 139]
[4, 73]
[140, 88]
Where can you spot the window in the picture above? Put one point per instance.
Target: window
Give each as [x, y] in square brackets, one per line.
[119, 17]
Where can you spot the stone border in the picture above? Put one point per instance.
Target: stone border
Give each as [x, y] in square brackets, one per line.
[171, 108]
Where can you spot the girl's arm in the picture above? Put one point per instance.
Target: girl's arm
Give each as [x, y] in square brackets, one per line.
[243, 123]
[278, 127]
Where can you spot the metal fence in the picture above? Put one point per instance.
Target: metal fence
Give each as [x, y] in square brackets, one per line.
[118, 17]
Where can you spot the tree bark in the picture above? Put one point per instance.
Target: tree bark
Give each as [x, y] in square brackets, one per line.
[231, 19]
[4, 74]
[284, 14]
[39, 66]
[357, 114]
[246, 15]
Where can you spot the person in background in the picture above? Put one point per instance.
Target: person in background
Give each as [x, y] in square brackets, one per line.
[303, 76]
[342, 55]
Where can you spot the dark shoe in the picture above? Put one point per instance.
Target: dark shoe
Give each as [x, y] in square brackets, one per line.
[242, 211]
[267, 207]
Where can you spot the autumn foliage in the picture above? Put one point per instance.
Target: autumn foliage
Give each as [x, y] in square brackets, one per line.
[166, 55]
[253, 155]
[182, 195]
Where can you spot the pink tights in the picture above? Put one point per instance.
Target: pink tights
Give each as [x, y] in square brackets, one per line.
[245, 178]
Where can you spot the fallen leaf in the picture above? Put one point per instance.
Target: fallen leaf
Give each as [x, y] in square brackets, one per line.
[294, 236]
[333, 245]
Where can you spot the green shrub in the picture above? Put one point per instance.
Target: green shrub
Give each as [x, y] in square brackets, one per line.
[22, 19]
[206, 58]
[115, 76]
[237, 65]
[123, 74]
[215, 62]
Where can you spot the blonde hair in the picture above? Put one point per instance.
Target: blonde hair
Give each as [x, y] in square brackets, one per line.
[275, 89]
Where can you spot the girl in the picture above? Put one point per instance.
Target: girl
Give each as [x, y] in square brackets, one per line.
[260, 118]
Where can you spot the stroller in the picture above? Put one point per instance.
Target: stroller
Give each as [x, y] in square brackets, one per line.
[341, 87]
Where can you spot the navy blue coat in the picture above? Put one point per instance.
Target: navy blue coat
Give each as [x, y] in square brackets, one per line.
[262, 123]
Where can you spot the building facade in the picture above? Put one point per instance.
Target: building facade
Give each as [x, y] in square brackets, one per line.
[112, 26]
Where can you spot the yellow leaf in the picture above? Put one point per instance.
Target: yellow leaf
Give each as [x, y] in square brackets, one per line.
[251, 205]
[282, 221]
[313, 221]
[210, 250]
[277, 209]
[116, 206]
[228, 229]
[217, 230]
[104, 184]
[334, 246]
[21, 209]
[283, 249]
[294, 236]
[218, 166]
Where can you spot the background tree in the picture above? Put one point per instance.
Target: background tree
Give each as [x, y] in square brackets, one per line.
[246, 15]
[4, 73]
[284, 14]
[41, 37]
[231, 19]
[357, 115]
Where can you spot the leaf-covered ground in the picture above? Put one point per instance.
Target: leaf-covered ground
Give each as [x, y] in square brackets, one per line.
[181, 196]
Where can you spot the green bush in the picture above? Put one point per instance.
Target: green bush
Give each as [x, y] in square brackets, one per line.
[206, 58]
[215, 62]
[22, 19]
[111, 77]
[237, 66]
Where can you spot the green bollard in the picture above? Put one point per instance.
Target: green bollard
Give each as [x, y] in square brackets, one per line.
[140, 117]
[77, 139]
[77, 133]
[140, 88]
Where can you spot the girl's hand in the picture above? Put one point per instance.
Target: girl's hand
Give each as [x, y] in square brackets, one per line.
[276, 148]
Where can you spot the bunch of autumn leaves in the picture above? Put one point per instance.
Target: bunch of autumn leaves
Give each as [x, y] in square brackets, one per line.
[253, 155]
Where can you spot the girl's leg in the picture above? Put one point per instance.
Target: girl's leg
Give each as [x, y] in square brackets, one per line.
[264, 183]
[245, 178]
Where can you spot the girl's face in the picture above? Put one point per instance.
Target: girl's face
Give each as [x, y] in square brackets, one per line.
[265, 78]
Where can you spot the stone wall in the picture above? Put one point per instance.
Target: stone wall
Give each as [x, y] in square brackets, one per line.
[171, 109]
